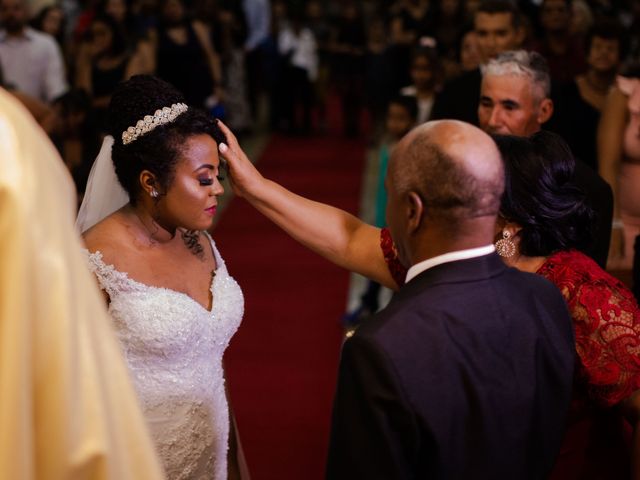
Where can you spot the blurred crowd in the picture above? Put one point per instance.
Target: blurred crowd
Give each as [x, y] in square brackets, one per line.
[281, 60]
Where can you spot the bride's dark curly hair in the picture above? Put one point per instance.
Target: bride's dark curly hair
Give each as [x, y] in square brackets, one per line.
[157, 151]
[540, 194]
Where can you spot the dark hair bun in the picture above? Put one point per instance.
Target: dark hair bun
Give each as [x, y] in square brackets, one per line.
[541, 194]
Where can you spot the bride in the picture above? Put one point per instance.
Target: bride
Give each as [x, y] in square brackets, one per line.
[174, 305]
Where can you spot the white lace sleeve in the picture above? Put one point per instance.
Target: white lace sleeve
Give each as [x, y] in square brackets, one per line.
[110, 280]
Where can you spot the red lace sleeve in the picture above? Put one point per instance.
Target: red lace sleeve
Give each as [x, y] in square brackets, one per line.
[397, 270]
[606, 322]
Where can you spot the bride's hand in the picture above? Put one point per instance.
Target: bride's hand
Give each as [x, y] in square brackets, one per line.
[243, 176]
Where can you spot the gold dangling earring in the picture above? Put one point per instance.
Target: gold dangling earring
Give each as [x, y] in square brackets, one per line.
[505, 246]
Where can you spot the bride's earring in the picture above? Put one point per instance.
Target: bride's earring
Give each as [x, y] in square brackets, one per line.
[505, 246]
[154, 193]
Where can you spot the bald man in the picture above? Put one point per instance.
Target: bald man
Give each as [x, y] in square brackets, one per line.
[468, 371]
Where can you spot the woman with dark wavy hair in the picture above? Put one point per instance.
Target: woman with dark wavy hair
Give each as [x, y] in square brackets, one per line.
[542, 210]
[543, 222]
[149, 202]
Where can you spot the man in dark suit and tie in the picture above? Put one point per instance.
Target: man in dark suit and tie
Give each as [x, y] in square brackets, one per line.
[468, 372]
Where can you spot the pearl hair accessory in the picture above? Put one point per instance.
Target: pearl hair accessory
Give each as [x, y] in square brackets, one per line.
[149, 122]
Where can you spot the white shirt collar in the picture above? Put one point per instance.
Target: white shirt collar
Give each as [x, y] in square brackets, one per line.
[420, 267]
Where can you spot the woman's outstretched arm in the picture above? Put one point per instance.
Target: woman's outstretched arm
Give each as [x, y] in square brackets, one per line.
[334, 234]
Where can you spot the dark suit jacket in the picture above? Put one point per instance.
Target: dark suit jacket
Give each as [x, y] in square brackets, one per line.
[467, 374]
[600, 199]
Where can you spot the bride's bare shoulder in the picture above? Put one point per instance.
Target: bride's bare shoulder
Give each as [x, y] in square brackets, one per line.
[109, 235]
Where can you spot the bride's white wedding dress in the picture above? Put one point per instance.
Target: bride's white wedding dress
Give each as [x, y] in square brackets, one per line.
[174, 348]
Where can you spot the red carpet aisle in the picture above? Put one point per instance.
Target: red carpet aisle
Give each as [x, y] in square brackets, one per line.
[282, 365]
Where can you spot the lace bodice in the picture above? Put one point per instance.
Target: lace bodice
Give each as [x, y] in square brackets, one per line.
[174, 348]
[606, 320]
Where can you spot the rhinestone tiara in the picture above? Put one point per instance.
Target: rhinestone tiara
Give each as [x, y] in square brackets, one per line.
[149, 122]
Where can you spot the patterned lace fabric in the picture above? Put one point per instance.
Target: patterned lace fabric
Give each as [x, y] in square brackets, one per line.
[606, 320]
[174, 347]
[398, 272]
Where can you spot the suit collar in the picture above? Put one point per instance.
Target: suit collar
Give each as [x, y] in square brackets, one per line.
[468, 270]
[420, 267]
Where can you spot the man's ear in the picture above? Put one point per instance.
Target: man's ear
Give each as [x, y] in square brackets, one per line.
[545, 110]
[415, 212]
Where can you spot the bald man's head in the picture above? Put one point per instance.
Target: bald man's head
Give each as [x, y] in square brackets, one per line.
[444, 183]
[454, 167]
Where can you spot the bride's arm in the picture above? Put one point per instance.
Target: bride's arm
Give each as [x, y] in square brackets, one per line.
[334, 234]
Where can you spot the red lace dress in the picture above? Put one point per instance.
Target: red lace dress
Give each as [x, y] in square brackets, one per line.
[606, 320]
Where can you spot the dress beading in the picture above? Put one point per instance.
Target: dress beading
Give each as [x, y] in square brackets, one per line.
[174, 348]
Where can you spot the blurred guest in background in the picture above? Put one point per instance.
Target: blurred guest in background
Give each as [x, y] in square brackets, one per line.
[185, 56]
[619, 164]
[581, 19]
[426, 76]
[447, 25]
[31, 60]
[563, 51]
[51, 20]
[409, 20]
[401, 117]
[499, 27]
[297, 45]
[258, 17]
[104, 60]
[228, 33]
[348, 47]
[469, 51]
[379, 77]
[580, 102]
